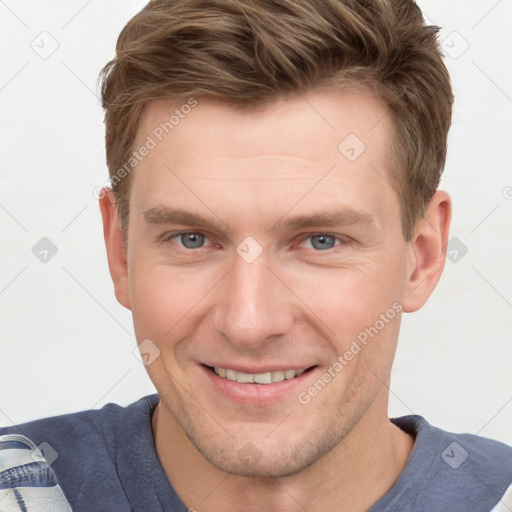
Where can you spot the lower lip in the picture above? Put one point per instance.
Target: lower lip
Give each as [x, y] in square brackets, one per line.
[257, 394]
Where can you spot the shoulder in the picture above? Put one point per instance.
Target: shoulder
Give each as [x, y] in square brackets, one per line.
[94, 426]
[83, 448]
[455, 470]
[457, 449]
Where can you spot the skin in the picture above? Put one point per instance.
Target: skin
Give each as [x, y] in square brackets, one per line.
[294, 306]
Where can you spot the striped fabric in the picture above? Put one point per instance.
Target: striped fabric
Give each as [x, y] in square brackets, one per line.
[27, 482]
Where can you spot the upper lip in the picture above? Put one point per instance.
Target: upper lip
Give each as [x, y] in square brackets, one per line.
[261, 369]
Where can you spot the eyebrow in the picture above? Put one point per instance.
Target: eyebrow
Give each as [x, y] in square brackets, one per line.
[342, 217]
[164, 215]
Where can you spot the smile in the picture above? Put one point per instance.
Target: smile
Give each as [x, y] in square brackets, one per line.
[257, 378]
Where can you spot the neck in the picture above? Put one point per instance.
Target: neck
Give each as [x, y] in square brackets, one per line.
[350, 478]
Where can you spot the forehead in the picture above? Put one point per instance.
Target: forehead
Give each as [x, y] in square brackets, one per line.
[309, 127]
[331, 147]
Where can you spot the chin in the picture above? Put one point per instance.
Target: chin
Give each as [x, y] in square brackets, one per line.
[264, 466]
[276, 459]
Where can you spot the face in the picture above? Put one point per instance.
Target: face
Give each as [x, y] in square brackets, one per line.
[266, 262]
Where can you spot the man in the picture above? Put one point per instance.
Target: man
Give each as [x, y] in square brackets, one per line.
[274, 209]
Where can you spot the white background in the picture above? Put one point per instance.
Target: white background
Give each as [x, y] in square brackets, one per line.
[66, 344]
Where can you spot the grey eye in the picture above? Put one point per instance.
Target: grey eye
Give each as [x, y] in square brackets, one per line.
[192, 240]
[322, 242]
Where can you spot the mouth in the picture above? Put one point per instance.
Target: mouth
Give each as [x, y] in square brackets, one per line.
[263, 386]
[269, 377]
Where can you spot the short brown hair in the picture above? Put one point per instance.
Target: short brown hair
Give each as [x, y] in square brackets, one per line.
[249, 53]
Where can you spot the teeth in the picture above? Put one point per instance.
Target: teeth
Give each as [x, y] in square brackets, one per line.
[258, 378]
[277, 376]
[263, 378]
[230, 374]
[244, 377]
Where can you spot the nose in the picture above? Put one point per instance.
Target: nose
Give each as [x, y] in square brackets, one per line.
[253, 304]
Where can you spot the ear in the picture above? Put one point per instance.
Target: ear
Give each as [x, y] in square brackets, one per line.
[427, 252]
[116, 251]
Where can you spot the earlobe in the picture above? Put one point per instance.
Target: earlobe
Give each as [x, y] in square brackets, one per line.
[114, 243]
[427, 252]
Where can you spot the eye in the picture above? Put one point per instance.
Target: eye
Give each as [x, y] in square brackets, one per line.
[321, 242]
[189, 240]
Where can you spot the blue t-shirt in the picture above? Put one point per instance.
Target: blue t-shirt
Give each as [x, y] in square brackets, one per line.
[106, 460]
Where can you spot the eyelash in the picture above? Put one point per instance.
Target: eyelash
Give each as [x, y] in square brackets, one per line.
[342, 240]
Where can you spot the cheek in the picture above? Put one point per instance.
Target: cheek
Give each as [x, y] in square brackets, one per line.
[166, 307]
[166, 299]
[153, 302]
[351, 298]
